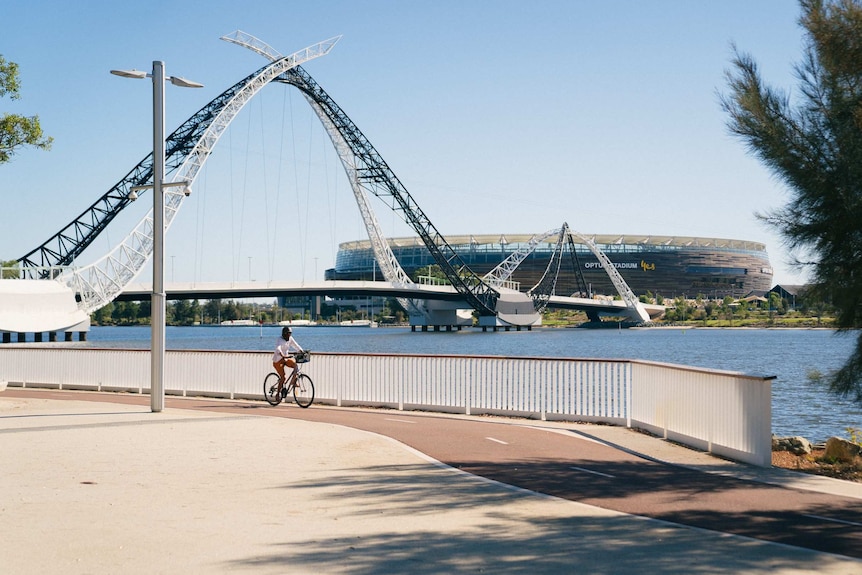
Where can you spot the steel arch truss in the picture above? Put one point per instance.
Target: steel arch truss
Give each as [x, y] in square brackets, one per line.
[67, 244]
[389, 264]
[499, 276]
[581, 283]
[632, 303]
[544, 289]
[187, 149]
[369, 171]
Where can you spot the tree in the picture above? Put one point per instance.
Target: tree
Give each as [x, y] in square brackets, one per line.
[430, 271]
[230, 311]
[102, 316]
[726, 308]
[183, 313]
[709, 308]
[9, 270]
[17, 130]
[682, 308]
[125, 312]
[775, 304]
[212, 310]
[812, 142]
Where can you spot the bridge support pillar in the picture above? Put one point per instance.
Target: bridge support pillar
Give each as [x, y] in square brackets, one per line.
[39, 336]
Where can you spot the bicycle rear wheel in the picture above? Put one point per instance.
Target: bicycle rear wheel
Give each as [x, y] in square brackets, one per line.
[303, 391]
[270, 389]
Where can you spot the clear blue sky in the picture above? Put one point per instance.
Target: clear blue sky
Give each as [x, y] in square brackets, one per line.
[498, 116]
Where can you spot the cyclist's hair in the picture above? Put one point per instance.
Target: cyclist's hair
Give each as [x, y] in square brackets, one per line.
[285, 332]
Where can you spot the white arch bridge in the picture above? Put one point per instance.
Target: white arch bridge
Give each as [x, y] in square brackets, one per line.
[51, 294]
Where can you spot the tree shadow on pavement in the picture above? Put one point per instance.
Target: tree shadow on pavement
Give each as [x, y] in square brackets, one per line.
[422, 519]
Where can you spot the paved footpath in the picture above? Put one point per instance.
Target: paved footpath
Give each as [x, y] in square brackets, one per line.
[95, 483]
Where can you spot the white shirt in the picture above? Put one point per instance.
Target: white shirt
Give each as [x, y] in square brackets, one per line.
[284, 348]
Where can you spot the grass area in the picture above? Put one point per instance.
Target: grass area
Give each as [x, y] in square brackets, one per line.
[760, 321]
[563, 318]
[754, 319]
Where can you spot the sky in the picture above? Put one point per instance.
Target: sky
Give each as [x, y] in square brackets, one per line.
[499, 117]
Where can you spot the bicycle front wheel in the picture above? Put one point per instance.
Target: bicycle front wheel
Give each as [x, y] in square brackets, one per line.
[270, 389]
[303, 391]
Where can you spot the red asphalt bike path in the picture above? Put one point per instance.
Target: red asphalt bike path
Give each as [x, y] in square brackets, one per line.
[570, 466]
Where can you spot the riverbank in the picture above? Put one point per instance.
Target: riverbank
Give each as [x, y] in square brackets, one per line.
[815, 463]
[756, 323]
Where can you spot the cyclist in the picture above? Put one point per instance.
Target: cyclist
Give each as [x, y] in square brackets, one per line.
[281, 357]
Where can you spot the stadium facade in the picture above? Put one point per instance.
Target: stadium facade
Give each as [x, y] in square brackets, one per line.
[669, 266]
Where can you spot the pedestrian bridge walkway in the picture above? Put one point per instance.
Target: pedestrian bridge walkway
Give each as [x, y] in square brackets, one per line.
[210, 290]
[37, 306]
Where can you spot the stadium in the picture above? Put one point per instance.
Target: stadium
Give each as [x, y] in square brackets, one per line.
[668, 266]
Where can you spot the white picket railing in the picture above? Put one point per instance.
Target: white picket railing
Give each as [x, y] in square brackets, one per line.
[722, 412]
[725, 413]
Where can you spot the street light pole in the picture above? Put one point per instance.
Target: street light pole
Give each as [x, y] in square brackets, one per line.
[157, 301]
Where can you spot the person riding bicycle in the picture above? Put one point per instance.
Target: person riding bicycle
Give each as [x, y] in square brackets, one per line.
[285, 346]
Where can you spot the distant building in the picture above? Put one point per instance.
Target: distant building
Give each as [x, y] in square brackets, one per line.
[794, 295]
[666, 265]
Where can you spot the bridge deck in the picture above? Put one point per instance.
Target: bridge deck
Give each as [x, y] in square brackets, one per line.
[224, 290]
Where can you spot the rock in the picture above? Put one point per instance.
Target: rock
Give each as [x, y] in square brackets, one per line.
[795, 445]
[838, 449]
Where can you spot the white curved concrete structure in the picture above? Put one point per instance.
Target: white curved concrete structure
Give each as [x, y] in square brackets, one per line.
[33, 306]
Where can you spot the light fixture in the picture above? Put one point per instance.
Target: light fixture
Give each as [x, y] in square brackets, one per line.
[157, 305]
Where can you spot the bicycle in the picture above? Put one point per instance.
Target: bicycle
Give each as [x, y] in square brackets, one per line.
[297, 383]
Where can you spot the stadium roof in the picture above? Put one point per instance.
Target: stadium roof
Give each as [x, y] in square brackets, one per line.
[600, 239]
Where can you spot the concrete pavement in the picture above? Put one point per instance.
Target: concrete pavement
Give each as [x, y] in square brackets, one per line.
[106, 487]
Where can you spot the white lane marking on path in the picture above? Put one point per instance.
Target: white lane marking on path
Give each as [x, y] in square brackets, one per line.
[821, 518]
[398, 420]
[496, 441]
[594, 472]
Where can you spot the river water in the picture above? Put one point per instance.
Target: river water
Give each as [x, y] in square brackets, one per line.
[800, 406]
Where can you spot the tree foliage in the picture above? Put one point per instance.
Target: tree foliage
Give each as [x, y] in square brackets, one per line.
[9, 270]
[433, 271]
[812, 142]
[17, 130]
